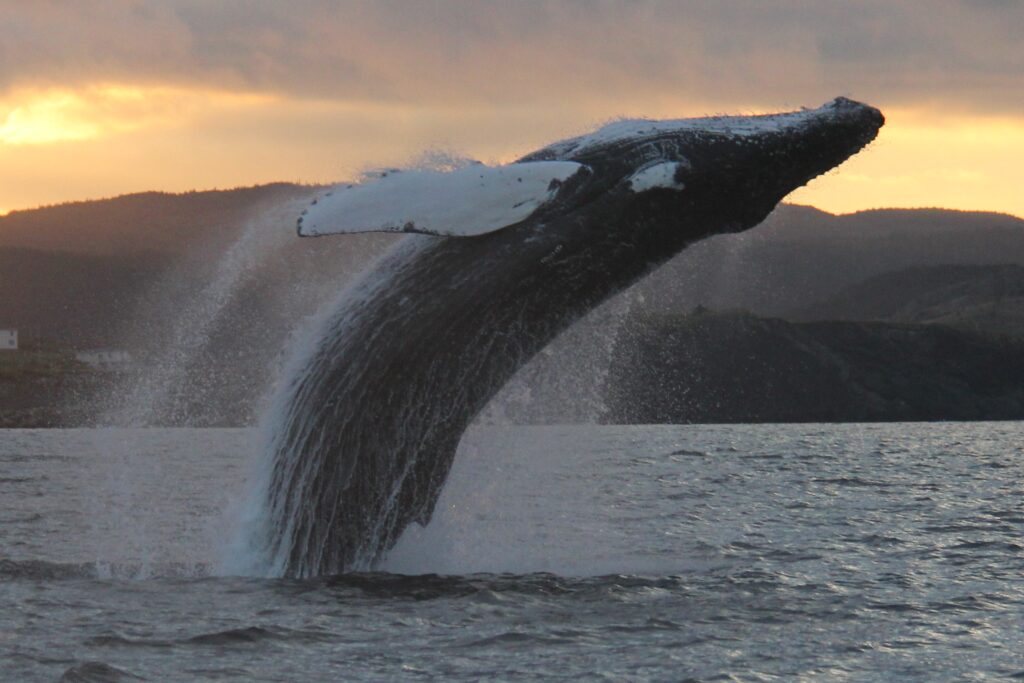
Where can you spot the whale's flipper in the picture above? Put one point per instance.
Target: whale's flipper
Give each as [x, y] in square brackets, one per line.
[472, 200]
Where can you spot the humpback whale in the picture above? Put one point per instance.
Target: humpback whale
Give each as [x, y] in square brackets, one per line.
[502, 259]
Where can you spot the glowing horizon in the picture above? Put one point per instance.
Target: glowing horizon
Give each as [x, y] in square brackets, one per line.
[919, 160]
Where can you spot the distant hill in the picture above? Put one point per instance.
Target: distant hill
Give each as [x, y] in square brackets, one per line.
[206, 287]
[72, 299]
[108, 273]
[801, 255]
[984, 298]
[142, 222]
[728, 368]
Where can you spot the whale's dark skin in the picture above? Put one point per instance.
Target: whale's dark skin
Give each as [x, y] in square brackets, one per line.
[373, 420]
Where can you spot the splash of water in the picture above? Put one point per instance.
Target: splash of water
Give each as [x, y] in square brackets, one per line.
[269, 518]
[567, 381]
[152, 397]
[252, 550]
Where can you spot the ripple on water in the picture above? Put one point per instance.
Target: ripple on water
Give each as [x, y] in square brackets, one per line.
[882, 552]
[97, 672]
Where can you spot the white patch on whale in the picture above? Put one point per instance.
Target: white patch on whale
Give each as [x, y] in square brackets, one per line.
[468, 201]
[661, 175]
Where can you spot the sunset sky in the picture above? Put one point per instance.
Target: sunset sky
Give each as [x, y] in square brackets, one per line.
[99, 98]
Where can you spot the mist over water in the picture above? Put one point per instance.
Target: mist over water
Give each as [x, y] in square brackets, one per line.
[565, 382]
[182, 332]
[151, 400]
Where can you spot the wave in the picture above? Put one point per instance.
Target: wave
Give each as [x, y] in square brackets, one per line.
[97, 672]
[362, 585]
[486, 587]
[40, 570]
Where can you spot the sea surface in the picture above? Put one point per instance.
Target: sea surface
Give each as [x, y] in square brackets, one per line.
[665, 553]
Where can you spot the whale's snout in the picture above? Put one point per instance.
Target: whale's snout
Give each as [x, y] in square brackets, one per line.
[816, 143]
[859, 123]
[863, 114]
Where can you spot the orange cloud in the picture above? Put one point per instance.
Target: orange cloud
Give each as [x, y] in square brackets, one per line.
[37, 116]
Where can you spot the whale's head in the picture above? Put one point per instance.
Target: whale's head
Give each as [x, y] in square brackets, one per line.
[728, 173]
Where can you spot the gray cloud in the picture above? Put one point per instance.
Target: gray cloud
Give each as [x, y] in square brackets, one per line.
[965, 53]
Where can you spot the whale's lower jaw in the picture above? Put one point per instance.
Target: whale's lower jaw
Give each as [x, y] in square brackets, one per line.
[414, 351]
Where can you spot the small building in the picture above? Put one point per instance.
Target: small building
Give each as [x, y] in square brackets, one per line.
[105, 359]
[8, 340]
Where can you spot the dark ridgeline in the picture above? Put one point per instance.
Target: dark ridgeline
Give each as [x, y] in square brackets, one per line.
[75, 274]
[801, 256]
[936, 342]
[371, 417]
[983, 298]
[735, 367]
[144, 222]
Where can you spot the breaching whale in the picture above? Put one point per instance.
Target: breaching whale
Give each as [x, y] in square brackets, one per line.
[508, 257]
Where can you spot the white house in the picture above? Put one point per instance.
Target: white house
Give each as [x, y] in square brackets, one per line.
[104, 359]
[8, 340]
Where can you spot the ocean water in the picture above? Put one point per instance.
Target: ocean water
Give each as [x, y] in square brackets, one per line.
[664, 553]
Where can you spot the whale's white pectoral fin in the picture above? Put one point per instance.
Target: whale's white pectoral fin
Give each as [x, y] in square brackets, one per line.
[473, 200]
